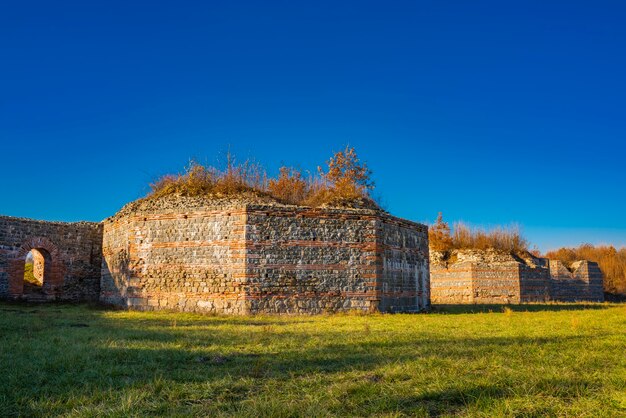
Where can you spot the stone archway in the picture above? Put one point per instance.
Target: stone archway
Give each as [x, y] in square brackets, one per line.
[52, 263]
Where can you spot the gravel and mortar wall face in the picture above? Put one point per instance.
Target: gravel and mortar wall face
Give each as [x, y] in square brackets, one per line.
[303, 260]
[187, 261]
[405, 278]
[492, 277]
[73, 255]
[252, 258]
[583, 282]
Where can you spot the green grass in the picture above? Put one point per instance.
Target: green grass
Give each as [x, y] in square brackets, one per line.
[554, 360]
[29, 277]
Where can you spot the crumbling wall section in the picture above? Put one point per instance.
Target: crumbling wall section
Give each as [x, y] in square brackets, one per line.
[583, 281]
[535, 281]
[73, 252]
[493, 277]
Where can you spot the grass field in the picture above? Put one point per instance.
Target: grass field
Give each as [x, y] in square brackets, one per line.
[534, 360]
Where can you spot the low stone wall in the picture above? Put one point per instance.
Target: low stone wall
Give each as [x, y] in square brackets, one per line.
[583, 282]
[240, 258]
[492, 277]
[66, 255]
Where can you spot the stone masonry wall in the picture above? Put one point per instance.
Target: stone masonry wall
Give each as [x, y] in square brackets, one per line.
[181, 260]
[404, 282]
[71, 253]
[488, 277]
[241, 258]
[535, 281]
[583, 282]
[324, 260]
[310, 260]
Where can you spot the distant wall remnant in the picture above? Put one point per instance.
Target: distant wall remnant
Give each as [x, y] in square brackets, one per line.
[473, 276]
[582, 281]
[67, 258]
[240, 257]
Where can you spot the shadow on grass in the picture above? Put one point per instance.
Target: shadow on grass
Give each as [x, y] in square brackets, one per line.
[528, 307]
[107, 355]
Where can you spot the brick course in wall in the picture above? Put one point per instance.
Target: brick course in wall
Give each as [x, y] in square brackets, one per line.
[68, 257]
[473, 276]
[241, 258]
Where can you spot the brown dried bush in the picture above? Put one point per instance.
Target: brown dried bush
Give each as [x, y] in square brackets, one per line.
[506, 238]
[439, 235]
[346, 182]
[200, 180]
[289, 187]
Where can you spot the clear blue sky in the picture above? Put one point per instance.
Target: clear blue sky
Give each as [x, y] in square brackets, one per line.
[492, 112]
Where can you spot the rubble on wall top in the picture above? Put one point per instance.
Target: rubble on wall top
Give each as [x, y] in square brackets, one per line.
[18, 218]
[177, 202]
[491, 256]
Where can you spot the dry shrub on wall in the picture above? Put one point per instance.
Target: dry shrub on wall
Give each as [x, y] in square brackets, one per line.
[240, 178]
[442, 239]
[289, 187]
[346, 182]
[198, 180]
[611, 261]
[506, 238]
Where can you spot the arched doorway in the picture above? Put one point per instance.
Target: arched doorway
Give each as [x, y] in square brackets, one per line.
[44, 281]
[37, 265]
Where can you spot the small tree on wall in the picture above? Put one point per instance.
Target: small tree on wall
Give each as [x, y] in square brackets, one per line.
[439, 236]
[349, 177]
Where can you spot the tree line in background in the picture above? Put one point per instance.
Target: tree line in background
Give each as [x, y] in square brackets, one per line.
[611, 261]
[346, 182]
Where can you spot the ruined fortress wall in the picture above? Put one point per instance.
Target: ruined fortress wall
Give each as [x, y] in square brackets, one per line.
[253, 258]
[452, 285]
[471, 282]
[70, 253]
[190, 260]
[496, 283]
[583, 282]
[305, 260]
[404, 281]
[310, 260]
[534, 282]
[595, 281]
[490, 277]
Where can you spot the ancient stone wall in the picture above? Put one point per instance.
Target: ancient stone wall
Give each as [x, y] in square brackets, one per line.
[453, 284]
[244, 258]
[404, 282]
[310, 260]
[190, 260]
[582, 281]
[67, 257]
[535, 281]
[472, 276]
